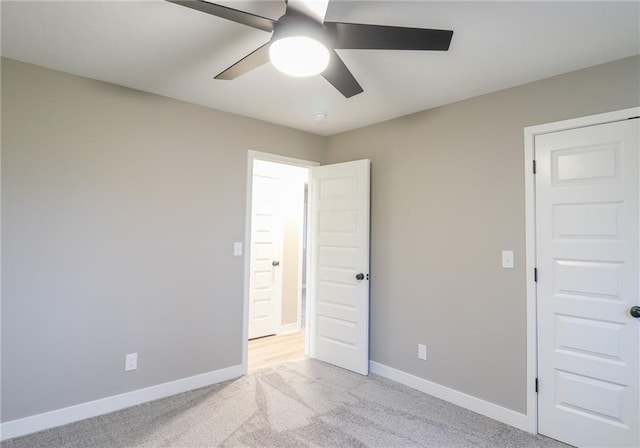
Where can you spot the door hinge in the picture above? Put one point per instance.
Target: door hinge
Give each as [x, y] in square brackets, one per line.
[535, 274]
[537, 389]
[534, 167]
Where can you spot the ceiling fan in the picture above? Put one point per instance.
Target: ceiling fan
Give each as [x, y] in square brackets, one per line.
[303, 44]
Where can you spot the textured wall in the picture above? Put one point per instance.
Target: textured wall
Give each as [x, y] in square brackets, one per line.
[447, 197]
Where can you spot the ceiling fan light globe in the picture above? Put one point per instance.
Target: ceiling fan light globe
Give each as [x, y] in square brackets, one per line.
[299, 56]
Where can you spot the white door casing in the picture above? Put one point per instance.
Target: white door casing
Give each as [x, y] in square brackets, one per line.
[587, 249]
[253, 156]
[338, 253]
[266, 249]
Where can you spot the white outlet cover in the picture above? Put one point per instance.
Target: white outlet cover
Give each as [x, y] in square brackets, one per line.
[130, 362]
[237, 249]
[422, 351]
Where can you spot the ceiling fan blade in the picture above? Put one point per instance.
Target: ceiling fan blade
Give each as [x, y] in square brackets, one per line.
[253, 60]
[340, 77]
[359, 36]
[235, 15]
[316, 9]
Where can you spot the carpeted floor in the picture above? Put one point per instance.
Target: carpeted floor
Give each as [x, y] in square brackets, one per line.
[299, 404]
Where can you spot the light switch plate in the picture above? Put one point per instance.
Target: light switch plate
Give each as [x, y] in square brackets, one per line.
[507, 259]
[237, 249]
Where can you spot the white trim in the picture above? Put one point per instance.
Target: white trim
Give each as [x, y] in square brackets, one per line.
[308, 352]
[486, 408]
[59, 417]
[530, 238]
[251, 156]
[309, 343]
[591, 120]
[289, 328]
[302, 253]
[530, 264]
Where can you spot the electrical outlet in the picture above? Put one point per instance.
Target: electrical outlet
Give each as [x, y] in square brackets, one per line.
[422, 351]
[130, 362]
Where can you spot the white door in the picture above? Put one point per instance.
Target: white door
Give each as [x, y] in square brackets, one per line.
[339, 264]
[587, 214]
[266, 252]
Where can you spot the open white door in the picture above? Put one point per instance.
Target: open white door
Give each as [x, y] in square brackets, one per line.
[587, 223]
[339, 264]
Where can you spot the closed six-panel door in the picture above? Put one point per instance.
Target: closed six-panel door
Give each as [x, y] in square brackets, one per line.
[587, 214]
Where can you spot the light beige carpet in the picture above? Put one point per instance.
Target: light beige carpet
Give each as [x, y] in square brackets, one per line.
[299, 404]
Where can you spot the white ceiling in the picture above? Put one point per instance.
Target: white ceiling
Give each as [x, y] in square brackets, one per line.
[174, 51]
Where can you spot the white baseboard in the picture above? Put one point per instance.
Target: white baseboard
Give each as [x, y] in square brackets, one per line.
[289, 328]
[486, 408]
[59, 417]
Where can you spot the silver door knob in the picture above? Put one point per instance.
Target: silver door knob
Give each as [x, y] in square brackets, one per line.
[360, 276]
[275, 263]
[635, 311]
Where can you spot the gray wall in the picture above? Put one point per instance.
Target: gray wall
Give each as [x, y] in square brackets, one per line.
[292, 253]
[447, 196]
[119, 210]
[119, 213]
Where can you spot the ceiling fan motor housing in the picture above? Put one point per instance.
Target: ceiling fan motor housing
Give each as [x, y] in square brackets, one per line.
[294, 24]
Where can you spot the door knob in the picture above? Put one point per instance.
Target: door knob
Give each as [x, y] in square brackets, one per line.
[360, 276]
[275, 263]
[635, 311]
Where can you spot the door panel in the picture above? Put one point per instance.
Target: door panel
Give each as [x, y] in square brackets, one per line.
[264, 280]
[339, 226]
[587, 214]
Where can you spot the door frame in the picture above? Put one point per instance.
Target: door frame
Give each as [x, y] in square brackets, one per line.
[530, 134]
[251, 156]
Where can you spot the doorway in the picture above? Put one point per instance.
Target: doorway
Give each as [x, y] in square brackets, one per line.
[275, 260]
[336, 326]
